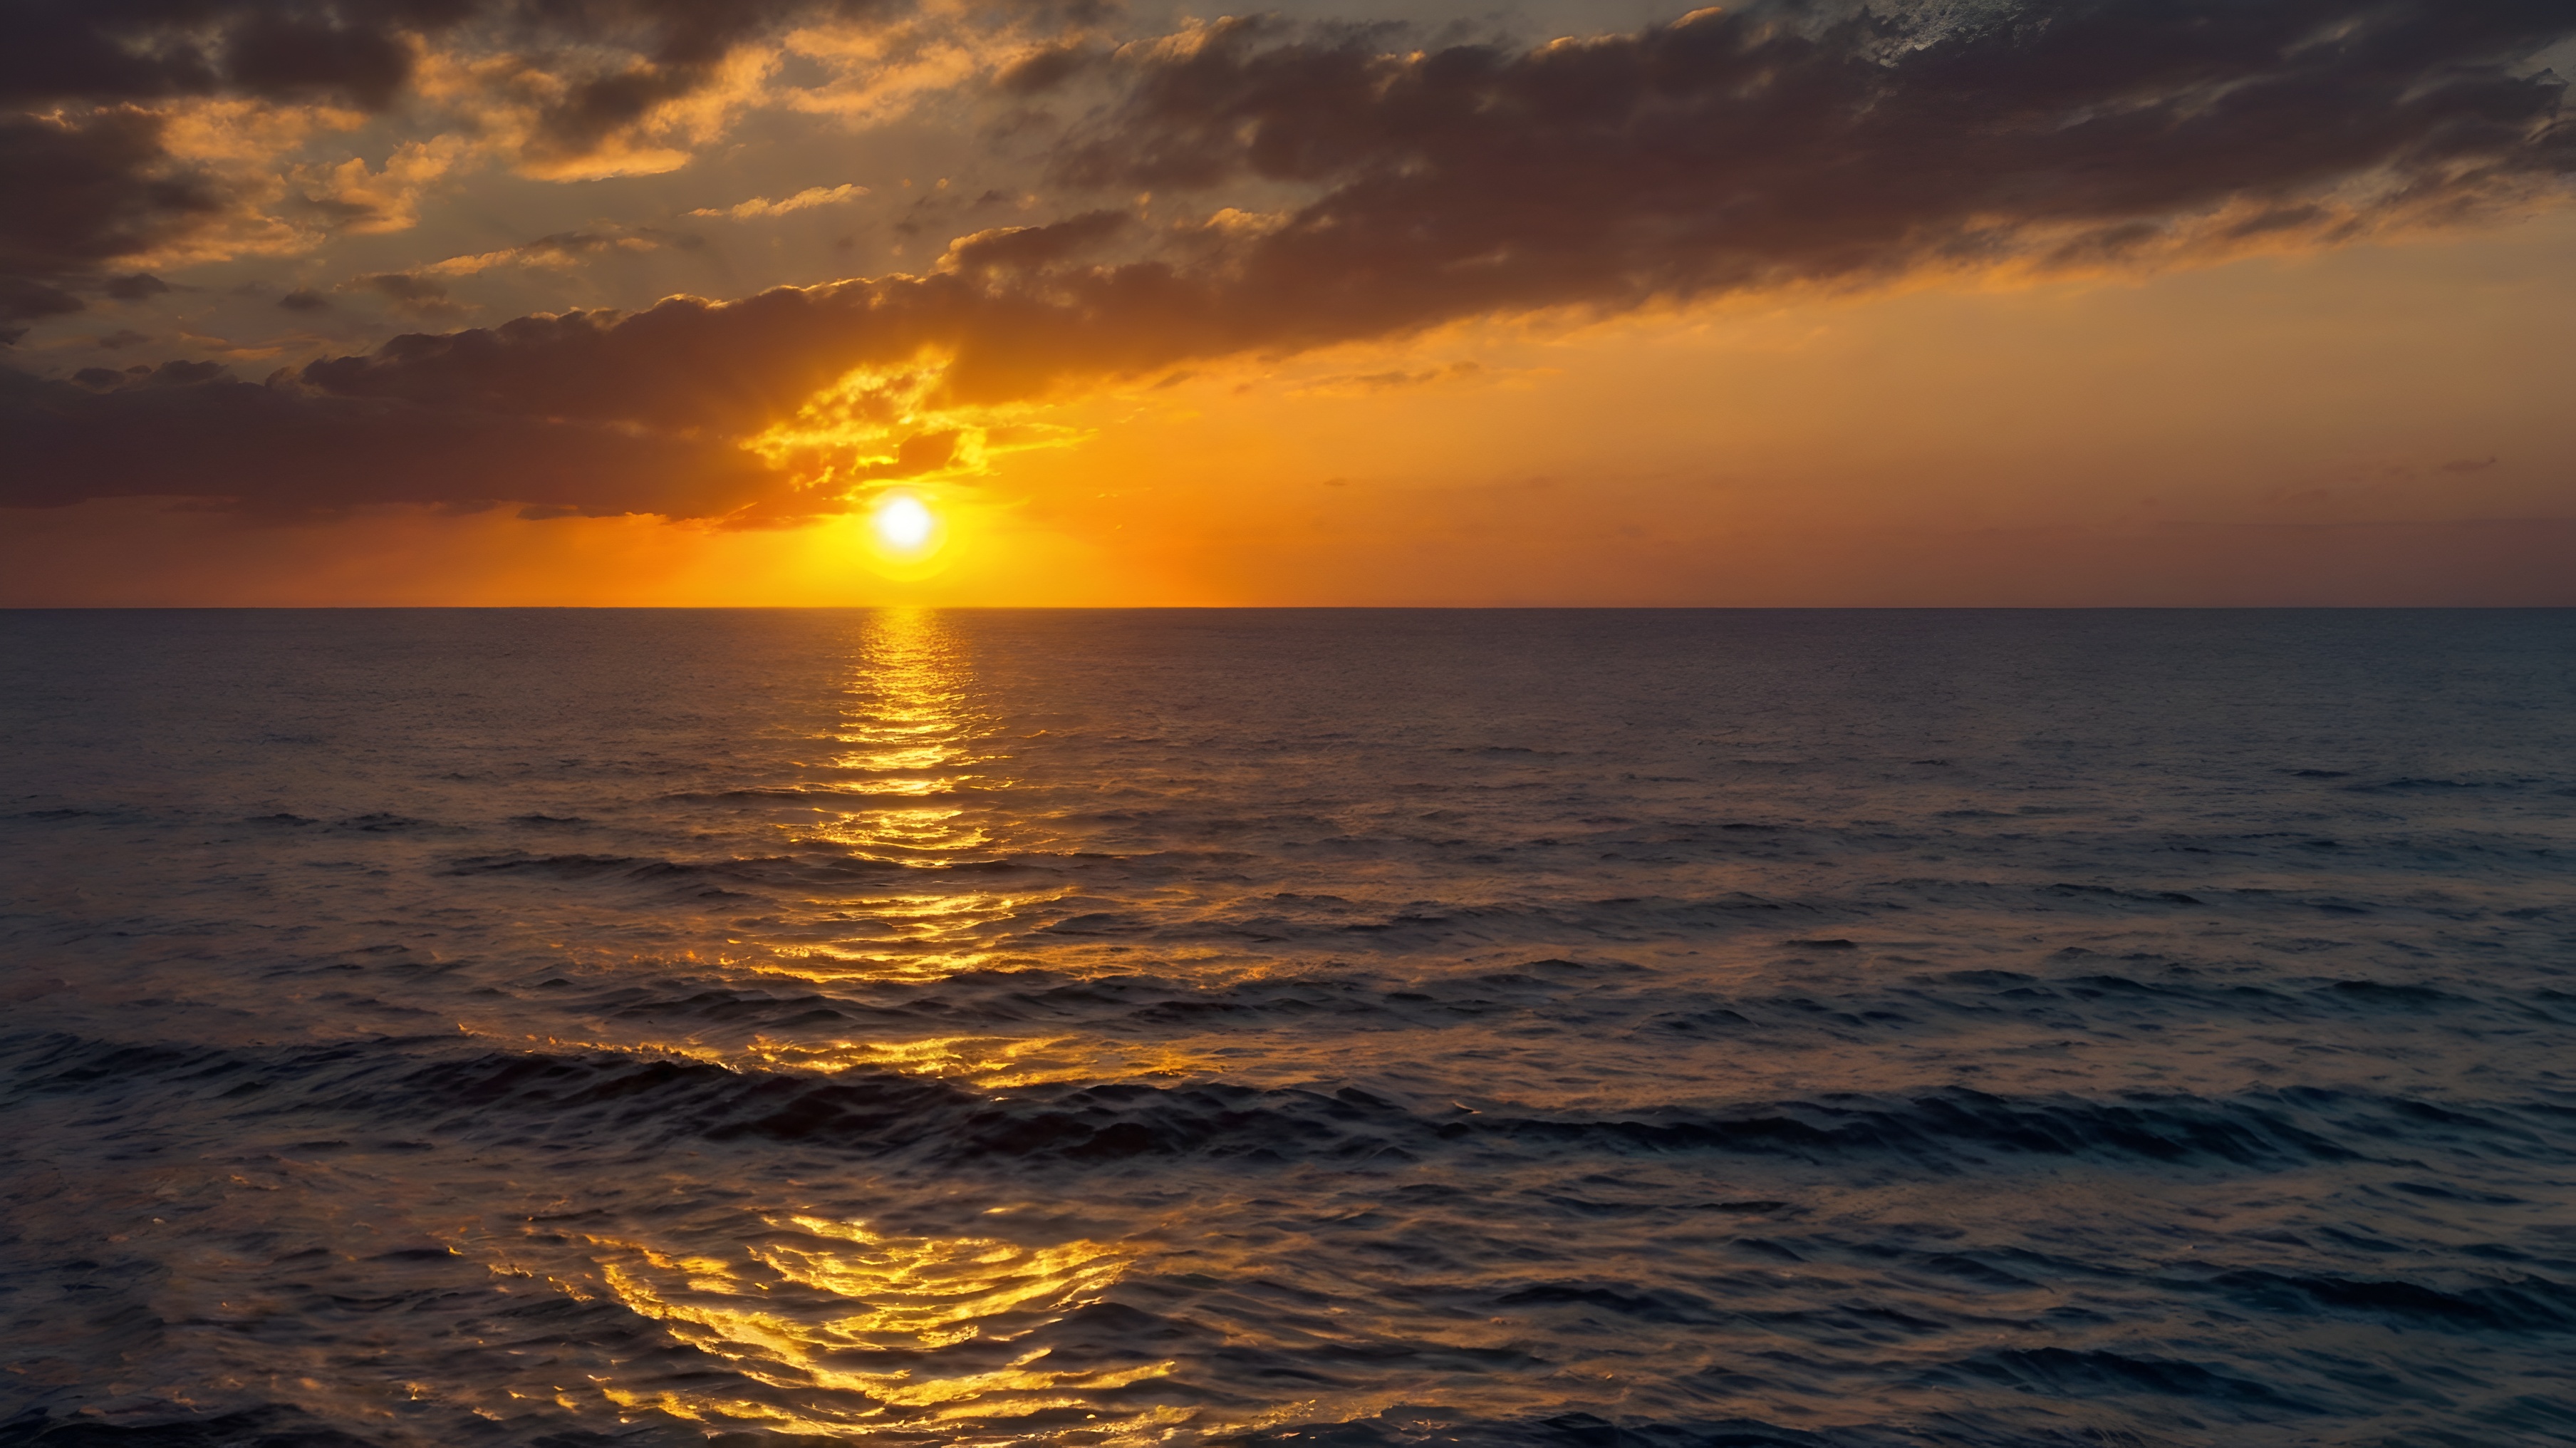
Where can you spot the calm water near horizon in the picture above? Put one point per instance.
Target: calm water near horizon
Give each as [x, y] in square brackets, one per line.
[1352, 1028]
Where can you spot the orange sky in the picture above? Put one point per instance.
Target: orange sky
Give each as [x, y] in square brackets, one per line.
[2352, 415]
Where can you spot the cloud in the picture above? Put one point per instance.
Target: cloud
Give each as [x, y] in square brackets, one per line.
[561, 249]
[1738, 149]
[410, 293]
[1044, 69]
[364, 52]
[25, 300]
[364, 200]
[192, 429]
[761, 206]
[82, 192]
[1719, 153]
[140, 50]
[1027, 249]
[1358, 384]
[168, 128]
[652, 78]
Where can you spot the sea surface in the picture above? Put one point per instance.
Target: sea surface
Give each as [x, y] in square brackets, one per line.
[1639, 1029]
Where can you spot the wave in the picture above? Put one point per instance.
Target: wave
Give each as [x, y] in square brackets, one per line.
[621, 1100]
[2527, 1304]
[1614, 995]
[777, 871]
[2067, 1372]
[1431, 1427]
[275, 1425]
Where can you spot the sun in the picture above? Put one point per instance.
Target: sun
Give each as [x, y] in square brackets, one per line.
[903, 523]
[900, 536]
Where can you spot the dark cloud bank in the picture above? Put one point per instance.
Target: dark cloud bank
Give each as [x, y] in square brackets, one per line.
[84, 179]
[1720, 152]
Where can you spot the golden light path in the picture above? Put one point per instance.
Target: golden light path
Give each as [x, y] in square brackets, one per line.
[915, 781]
[922, 783]
[833, 1317]
[830, 1327]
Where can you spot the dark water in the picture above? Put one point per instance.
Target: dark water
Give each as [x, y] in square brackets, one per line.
[1281, 1028]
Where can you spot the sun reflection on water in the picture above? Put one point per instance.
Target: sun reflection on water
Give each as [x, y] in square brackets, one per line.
[912, 741]
[992, 1063]
[836, 1329]
[912, 866]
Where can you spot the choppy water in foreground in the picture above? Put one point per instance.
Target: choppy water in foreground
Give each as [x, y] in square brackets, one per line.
[1276, 1028]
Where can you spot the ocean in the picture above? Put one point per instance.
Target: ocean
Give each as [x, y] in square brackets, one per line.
[1276, 1028]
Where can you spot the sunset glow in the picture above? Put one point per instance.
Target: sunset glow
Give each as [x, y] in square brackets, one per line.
[503, 303]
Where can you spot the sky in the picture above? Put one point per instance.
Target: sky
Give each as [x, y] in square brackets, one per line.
[1074, 302]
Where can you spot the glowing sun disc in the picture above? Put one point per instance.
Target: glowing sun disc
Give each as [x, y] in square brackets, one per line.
[903, 523]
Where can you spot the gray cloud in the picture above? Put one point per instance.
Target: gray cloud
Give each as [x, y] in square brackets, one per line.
[81, 192]
[193, 429]
[1734, 149]
[87, 181]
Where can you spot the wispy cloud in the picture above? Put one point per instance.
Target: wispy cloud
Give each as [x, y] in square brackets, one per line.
[562, 249]
[805, 200]
[1357, 384]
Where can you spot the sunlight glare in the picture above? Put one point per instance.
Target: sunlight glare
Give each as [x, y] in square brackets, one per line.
[903, 523]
